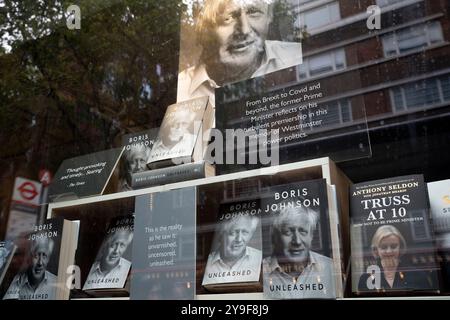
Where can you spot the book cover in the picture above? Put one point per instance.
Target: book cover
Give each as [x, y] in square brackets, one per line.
[181, 136]
[112, 264]
[137, 147]
[298, 248]
[164, 246]
[49, 251]
[392, 241]
[7, 250]
[236, 252]
[84, 176]
[439, 195]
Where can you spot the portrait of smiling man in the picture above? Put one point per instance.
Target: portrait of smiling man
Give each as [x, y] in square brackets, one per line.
[110, 269]
[35, 282]
[236, 44]
[233, 259]
[294, 271]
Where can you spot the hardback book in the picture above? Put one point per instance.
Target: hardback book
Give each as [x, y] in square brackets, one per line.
[392, 240]
[50, 251]
[234, 262]
[109, 272]
[439, 196]
[164, 258]
[184, 134]
[85, 176]
[337, 237]
[182, 172]
[7, 250]
[302, 258]
[137, 147]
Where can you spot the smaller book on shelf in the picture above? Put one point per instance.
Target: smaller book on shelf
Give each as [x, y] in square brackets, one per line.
[109, 272]
[392, 239]
[183, 136]
[137, 147]
[439, 196]
[7, 250]
[236, 253]
[182, 172]
[50, 250]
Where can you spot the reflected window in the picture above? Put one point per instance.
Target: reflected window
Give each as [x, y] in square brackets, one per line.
[420, 94]
[322, 63]
[412, 38]
[384, 3]
[319, 17]
[337, 112]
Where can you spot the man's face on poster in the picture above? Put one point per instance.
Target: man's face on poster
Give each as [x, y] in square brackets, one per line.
[40, 257]
[241, 30]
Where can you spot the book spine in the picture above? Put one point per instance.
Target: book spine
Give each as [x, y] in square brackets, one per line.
[173, 174]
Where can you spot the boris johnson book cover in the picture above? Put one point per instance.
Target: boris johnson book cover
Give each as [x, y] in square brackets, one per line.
[299, 261]
[236, 253]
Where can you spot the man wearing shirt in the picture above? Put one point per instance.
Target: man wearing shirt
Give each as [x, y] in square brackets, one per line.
[233, 36]
[110, 270]
[234, 260]
[35, 283]
[293, 271]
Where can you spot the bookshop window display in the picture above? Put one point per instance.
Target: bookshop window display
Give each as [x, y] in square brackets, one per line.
[225, 149]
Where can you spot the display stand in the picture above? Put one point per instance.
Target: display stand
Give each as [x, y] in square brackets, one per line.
[94, 212]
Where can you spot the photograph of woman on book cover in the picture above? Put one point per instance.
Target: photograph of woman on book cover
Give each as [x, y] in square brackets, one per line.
[393, 270]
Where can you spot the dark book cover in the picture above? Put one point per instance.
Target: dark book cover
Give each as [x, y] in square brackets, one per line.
[137, 148]
[37, 277]
[164, 246]
[112, 264]
[298, 255]
[182, 172]
[236, 252]
[392, 240]
[84, 176]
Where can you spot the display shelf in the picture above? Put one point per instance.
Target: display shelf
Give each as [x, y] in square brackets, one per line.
[314, 169]
[97, 210]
